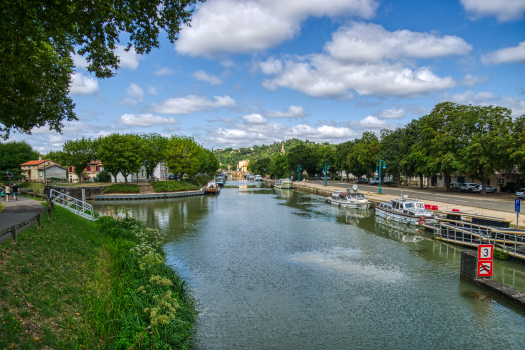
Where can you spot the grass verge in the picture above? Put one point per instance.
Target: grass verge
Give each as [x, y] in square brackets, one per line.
[172, 186]
[35, 186]
[77, 284]
[201, 180]
[2, 206]
[122, 188]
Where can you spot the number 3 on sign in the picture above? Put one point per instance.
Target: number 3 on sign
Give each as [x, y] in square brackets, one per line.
[485, 252]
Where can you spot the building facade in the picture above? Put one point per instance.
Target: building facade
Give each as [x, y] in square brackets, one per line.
[42, 170]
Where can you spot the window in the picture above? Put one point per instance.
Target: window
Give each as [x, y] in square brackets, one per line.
[70, 169]
[97, 169]
[88, 169]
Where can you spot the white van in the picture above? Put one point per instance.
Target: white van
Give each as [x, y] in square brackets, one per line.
[374, 181]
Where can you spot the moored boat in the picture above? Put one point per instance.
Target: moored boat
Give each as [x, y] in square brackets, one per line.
[219, 180]
[284, 184]
[212, 188]
[349, 200]
[257, 178]
[405, 211]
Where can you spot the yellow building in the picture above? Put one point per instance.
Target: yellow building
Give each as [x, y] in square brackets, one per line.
[243, 165]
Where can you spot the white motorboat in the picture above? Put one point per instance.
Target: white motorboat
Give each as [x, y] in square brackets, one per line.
[405, 211]
[349, 200]
[283, 184]
[257, 178]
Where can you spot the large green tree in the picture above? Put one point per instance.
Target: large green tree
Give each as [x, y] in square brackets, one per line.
[279, 167]
[154, 147]
[39, 39]
[366, 152]
[79, 153]
[182, 155]
[391, 152]
[517, 149]
[121, 153]
[14, 153]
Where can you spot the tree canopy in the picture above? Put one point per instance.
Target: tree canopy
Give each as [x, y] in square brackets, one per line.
[40, 38]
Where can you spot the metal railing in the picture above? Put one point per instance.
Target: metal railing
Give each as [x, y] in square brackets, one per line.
[74, 205]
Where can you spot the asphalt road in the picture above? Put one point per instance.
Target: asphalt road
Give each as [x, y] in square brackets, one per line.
[16, 212]
[502, 202]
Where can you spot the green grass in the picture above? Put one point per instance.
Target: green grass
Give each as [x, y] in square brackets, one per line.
[172, 186]
[122, 188]
[35, 186]
[2, 206]
[201, 180]
[73, 285]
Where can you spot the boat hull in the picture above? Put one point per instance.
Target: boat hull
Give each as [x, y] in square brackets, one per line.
[350, 205]
[402, 219]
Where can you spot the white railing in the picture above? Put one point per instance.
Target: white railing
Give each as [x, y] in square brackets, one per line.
[75, 205]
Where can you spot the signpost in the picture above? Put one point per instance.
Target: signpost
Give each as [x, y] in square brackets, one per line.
[485, 257]
[379, 168]
[517, 207]
[325, 169]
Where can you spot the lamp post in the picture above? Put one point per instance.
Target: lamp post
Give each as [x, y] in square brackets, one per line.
[379, 168]
[299, 168]
[325, 169]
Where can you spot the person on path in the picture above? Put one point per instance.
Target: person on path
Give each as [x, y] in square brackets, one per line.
[3, 194]
[7, 192]
[15, 192]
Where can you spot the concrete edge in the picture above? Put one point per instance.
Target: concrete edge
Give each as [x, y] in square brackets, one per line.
[505, 292]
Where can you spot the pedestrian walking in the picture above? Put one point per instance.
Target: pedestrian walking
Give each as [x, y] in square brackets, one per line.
[2, 193]
[15, 192]
[7, 192]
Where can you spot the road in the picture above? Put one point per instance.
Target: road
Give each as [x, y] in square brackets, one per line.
[500, 201]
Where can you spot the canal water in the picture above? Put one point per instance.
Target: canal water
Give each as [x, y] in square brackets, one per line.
[278, 269]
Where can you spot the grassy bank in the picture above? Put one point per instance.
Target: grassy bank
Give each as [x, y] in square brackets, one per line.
[77, 284]
[172, 186]
[35, 186]
[122, 188]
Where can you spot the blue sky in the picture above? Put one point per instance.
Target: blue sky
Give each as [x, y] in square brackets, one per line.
[255, 72]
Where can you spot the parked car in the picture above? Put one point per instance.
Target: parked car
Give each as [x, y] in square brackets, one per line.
[374, 180]
[185, 177]
[362, 180]
[520, 193]
[455, 186]
[316, 177]
[468, 187]
[172, 177]
[488, 189]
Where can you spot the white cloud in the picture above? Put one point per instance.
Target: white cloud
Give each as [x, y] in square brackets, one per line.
[488, 98]
[82, 84]
[79, 61]
[254, 119]
[373, 122]
[470, 80]
[239, 26]
[292, 112]
[227, 63]
[363, 43]
[191, 104]
[152, 90]
[128, 59]
[135, 95]
[145, 120]
[392, 113]
[164, 71]
[503, 10]
[323, 76]
[271, 66]
[203, 76]
[514, 54]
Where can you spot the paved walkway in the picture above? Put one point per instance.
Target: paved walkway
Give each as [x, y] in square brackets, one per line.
[16, 212]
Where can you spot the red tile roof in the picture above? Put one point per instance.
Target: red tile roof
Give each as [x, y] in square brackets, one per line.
[34, 162]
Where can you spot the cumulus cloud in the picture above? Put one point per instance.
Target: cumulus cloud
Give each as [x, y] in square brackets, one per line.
[128, 59]
[254, 118]
[292, 112]
[191, 104]
[514, 54]
[203, 76]
[79, 61]
[145, 120]
[373, 122]
[470, 80]
[135, 95]
[362, 42]
[486, 98]
[83, 84]
[152, 90]
[323, 76]
[503, 10]
[240, 26]
[163, 71]
[392, 113]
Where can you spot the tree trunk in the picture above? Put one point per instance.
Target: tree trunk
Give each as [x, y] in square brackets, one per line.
[447, 182]
[483, 185]
[125, 178]
[398, 176]
[421, 181]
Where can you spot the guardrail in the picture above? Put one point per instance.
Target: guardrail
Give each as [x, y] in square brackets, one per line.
[37, 218]
[74, 205]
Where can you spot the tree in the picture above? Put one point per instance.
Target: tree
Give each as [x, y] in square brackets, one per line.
[14, 153]
[57, 156]
[391, 151]
[414, 161]
[182, 155]
[40, 38]
[79, 153]
[485, 137]
[326, 154]
[154, 147]
[367, 152]
[121, 153]
[341, 156]
[302, 155]
[279, 166]
[517, 150]
[208, 162]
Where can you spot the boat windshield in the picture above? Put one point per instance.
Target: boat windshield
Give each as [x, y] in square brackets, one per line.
[421, 205]
[409, 205]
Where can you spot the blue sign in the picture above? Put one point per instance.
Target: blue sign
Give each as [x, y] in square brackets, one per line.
[517, 205]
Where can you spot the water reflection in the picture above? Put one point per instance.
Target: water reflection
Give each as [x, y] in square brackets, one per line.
[283, 270]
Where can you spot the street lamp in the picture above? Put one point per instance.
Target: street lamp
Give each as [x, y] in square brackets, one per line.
[299, 168]
[379, 168]
[325, 169]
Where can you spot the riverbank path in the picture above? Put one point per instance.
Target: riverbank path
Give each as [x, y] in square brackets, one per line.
[15, 212]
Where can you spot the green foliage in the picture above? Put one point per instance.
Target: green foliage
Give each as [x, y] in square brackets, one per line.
[391, 150]
[183, 155]
[79, 153]
[41, 37]
[155, 145]
[200, 180]
[103, 176]
[279, 167]
[172, 186]
[122, 188]
[14, 153]
[121, 153]
[500, 254]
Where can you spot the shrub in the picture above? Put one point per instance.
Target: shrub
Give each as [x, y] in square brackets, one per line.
[500, 254]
